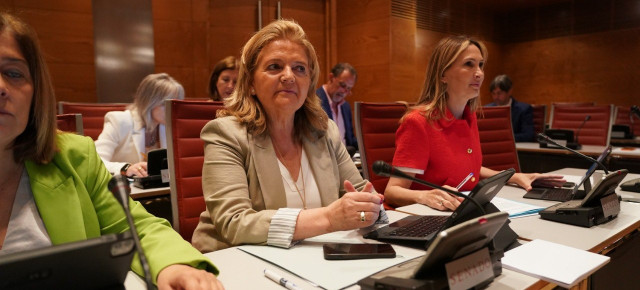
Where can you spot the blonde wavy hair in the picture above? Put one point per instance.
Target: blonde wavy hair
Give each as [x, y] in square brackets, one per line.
[309, 119]
[152, 92]
[432, 102]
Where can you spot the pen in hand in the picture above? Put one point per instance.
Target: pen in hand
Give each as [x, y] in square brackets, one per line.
[464, 181]
[280, 280]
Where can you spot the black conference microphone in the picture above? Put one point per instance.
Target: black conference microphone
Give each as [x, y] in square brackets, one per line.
[119, 186]
[382, 168]
[587, 118]
[545, 139]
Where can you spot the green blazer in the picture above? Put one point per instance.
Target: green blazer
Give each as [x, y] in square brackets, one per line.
[75, 204]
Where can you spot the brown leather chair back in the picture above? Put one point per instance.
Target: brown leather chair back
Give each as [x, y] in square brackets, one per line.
[496, 138]
[185, 154]
[70, 123]
[539, 118]
[596, 131]
[376, 126]
[92, 114]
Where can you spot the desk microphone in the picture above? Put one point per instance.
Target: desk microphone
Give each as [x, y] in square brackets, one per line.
[119, 186]
[587, 118]
[545, 139]
[382, 168]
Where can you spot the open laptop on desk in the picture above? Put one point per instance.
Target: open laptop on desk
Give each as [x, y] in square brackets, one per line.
[418, 231]
[99, 263]
[156, 162]
[564, 194]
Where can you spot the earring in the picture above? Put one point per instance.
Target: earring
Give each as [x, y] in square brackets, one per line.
[253, 92]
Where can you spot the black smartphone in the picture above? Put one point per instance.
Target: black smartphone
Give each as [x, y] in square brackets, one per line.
[340, 251]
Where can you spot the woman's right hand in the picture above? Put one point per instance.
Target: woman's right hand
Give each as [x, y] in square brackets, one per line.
[138, 169]
[439, 199]
[346, 212]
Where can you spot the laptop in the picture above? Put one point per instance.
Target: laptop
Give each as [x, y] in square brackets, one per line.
[156, 162]
[428, 271]
[99, 263]
[564, 194]
[417, 231]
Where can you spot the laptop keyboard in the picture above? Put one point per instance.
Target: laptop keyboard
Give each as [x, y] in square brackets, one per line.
[557, 194]
[421, 227]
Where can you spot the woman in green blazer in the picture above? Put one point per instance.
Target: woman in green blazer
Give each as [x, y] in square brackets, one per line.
[53, 185]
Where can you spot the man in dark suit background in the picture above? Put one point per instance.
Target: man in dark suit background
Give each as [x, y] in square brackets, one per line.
[521, 113]
[341, 80]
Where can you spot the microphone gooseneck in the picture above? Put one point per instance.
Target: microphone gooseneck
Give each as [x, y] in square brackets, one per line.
[545, 139]
[587, 118]
[382, 168]
[119, 186]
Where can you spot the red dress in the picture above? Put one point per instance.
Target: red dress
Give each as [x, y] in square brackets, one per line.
[443, 152]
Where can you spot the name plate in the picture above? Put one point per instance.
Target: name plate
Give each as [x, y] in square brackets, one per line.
[610, 205]
[164, 173]
[470, 270]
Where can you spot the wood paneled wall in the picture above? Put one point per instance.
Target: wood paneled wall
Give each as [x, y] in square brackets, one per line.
[390, 52]
[65, 30]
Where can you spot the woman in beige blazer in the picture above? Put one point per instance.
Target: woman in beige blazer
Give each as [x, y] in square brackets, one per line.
[127, 136]
[275, 170]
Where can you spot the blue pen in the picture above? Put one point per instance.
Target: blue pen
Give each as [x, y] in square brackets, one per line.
[464, 181]
[282, 281]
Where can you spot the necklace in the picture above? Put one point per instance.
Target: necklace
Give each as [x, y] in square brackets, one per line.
[303, 196]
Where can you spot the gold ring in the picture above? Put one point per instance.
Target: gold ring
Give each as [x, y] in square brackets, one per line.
[139, 168]
[441, 202]
[362, 216]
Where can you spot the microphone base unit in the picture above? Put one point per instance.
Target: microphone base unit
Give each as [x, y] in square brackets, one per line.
[435, 281]
[585, 216]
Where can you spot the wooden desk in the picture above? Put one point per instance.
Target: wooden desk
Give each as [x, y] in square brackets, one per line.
[532, 158]
[139, 193]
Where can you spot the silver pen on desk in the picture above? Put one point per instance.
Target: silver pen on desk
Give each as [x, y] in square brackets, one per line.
[280, 280]
[464, 181]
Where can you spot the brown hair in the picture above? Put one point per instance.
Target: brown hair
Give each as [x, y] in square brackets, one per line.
[433, 100]
[248, 109]
[37, 142]
[229, 62]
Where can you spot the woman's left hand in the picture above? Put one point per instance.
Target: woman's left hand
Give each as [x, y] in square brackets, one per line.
[525, 180]
[179, 276]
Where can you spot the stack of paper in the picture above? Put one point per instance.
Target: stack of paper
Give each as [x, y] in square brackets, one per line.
[555, 263]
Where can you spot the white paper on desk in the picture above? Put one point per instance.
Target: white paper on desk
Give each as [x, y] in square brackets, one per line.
[555, 263]
[307, 261]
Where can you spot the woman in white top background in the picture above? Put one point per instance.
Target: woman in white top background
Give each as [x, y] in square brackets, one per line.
[127, 136]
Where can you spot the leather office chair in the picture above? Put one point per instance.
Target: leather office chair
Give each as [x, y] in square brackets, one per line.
[596, 131]
[496, 138]
[539, 118]
[70, 123]
[92, 114]
[376, 126]
[624, 117]
[185, 155]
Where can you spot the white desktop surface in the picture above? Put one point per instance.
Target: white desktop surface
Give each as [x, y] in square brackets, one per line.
[239, 270]
[138, 193]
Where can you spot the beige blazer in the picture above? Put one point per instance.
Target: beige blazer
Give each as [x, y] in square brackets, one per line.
[243, 188]
[122, 140]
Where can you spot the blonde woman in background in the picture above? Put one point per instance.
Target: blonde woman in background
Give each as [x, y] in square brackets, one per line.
[127, 136]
